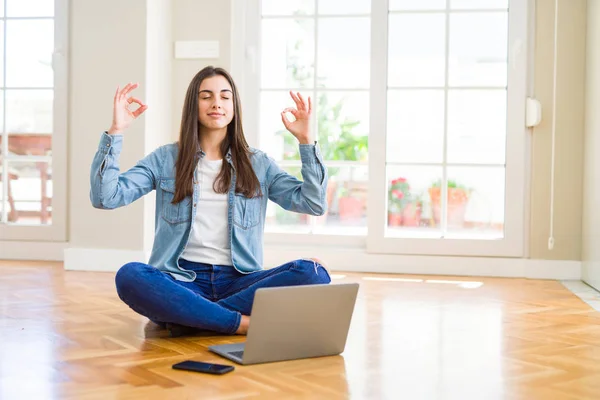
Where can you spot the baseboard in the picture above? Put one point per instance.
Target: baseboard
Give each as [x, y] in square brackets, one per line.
[35, 251]
[360, 261]
[83, 259]
[109, 260]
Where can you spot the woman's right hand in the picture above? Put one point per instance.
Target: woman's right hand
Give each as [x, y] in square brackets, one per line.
[122, 115]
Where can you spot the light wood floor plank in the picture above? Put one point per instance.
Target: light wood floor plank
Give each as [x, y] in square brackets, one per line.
[66, 335]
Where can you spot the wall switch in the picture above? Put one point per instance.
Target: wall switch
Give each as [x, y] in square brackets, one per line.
[197, 49]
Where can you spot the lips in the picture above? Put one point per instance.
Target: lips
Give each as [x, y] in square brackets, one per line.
[215, 115]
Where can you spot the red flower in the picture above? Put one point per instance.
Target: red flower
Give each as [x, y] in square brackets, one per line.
[398, 180]
[398, 194]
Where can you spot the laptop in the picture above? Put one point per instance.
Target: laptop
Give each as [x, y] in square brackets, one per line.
[294, 322]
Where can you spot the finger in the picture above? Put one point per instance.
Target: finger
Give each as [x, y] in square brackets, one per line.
[131, 87]
[135, 100]
[296, 99]
[302, 102]
[116, 98]
[309, 105]
[122, 93]
[286, 122]
[140, 111]
[292, 111]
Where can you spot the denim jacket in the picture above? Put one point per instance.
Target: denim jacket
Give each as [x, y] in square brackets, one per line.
[173, 222]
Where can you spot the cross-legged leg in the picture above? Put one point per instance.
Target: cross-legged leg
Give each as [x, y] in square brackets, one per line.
[159, 297]
[238, 295]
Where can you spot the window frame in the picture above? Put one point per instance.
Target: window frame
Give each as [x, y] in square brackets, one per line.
[245, 67]
[57, 230]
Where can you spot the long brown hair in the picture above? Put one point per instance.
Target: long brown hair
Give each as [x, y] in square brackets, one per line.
[189, 145]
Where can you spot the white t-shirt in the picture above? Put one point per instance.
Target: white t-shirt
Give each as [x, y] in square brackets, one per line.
[209, 239]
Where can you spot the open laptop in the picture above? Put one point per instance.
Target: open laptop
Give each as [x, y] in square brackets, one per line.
[295, 322]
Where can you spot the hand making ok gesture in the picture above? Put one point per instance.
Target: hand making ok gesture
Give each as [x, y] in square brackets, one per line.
[122, 115]
[300, 128]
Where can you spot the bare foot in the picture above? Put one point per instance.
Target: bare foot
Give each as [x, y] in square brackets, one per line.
[244, 325]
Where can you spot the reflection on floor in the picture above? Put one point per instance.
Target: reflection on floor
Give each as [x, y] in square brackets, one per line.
[586, 293]
[67, 335]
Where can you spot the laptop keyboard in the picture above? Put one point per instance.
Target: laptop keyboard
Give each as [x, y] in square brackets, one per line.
[238, 354]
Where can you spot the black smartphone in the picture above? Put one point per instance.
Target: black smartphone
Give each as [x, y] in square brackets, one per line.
[207, 368]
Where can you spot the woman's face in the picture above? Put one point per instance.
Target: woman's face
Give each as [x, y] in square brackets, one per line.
[215, 102]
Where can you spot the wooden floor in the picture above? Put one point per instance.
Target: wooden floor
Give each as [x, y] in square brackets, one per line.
[66, 335]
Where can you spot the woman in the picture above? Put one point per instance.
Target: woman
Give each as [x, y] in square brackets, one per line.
[212, 191]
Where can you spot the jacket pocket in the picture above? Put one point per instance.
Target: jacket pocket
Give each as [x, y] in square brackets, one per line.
[173, 213]
[247, 211]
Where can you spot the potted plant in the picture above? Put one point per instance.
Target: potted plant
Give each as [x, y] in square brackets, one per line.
[404, 208]
[458, 196]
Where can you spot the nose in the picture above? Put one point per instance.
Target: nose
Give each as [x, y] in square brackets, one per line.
[217, 103]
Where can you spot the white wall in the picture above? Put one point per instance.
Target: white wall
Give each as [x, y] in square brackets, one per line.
[113, 43]
[108, 48]
[591, 196]
[569, 131]
[197, 20]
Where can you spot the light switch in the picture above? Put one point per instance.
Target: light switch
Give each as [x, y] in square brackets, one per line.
[197, 49]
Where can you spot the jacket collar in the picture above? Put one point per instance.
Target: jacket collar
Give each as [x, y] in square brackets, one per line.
[200, 154]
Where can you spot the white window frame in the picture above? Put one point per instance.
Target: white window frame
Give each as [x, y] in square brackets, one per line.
[57, 230]
[245, 68]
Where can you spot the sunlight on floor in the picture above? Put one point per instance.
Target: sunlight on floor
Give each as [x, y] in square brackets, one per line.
[462, 284]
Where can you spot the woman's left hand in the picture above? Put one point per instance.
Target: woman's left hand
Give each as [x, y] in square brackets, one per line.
[300, 128]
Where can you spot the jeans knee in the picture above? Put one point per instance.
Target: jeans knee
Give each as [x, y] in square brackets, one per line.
[126, 276]
[313, 270]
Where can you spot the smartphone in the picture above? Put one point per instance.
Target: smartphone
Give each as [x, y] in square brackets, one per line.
[207, 368]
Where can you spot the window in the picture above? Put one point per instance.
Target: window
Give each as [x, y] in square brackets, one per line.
[301, 51]
[418, 108]
[33, 119]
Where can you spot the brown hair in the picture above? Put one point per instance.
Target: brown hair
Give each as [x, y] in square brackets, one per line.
[189, 145]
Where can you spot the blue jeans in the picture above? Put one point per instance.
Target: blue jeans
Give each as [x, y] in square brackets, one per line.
[218, 297]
